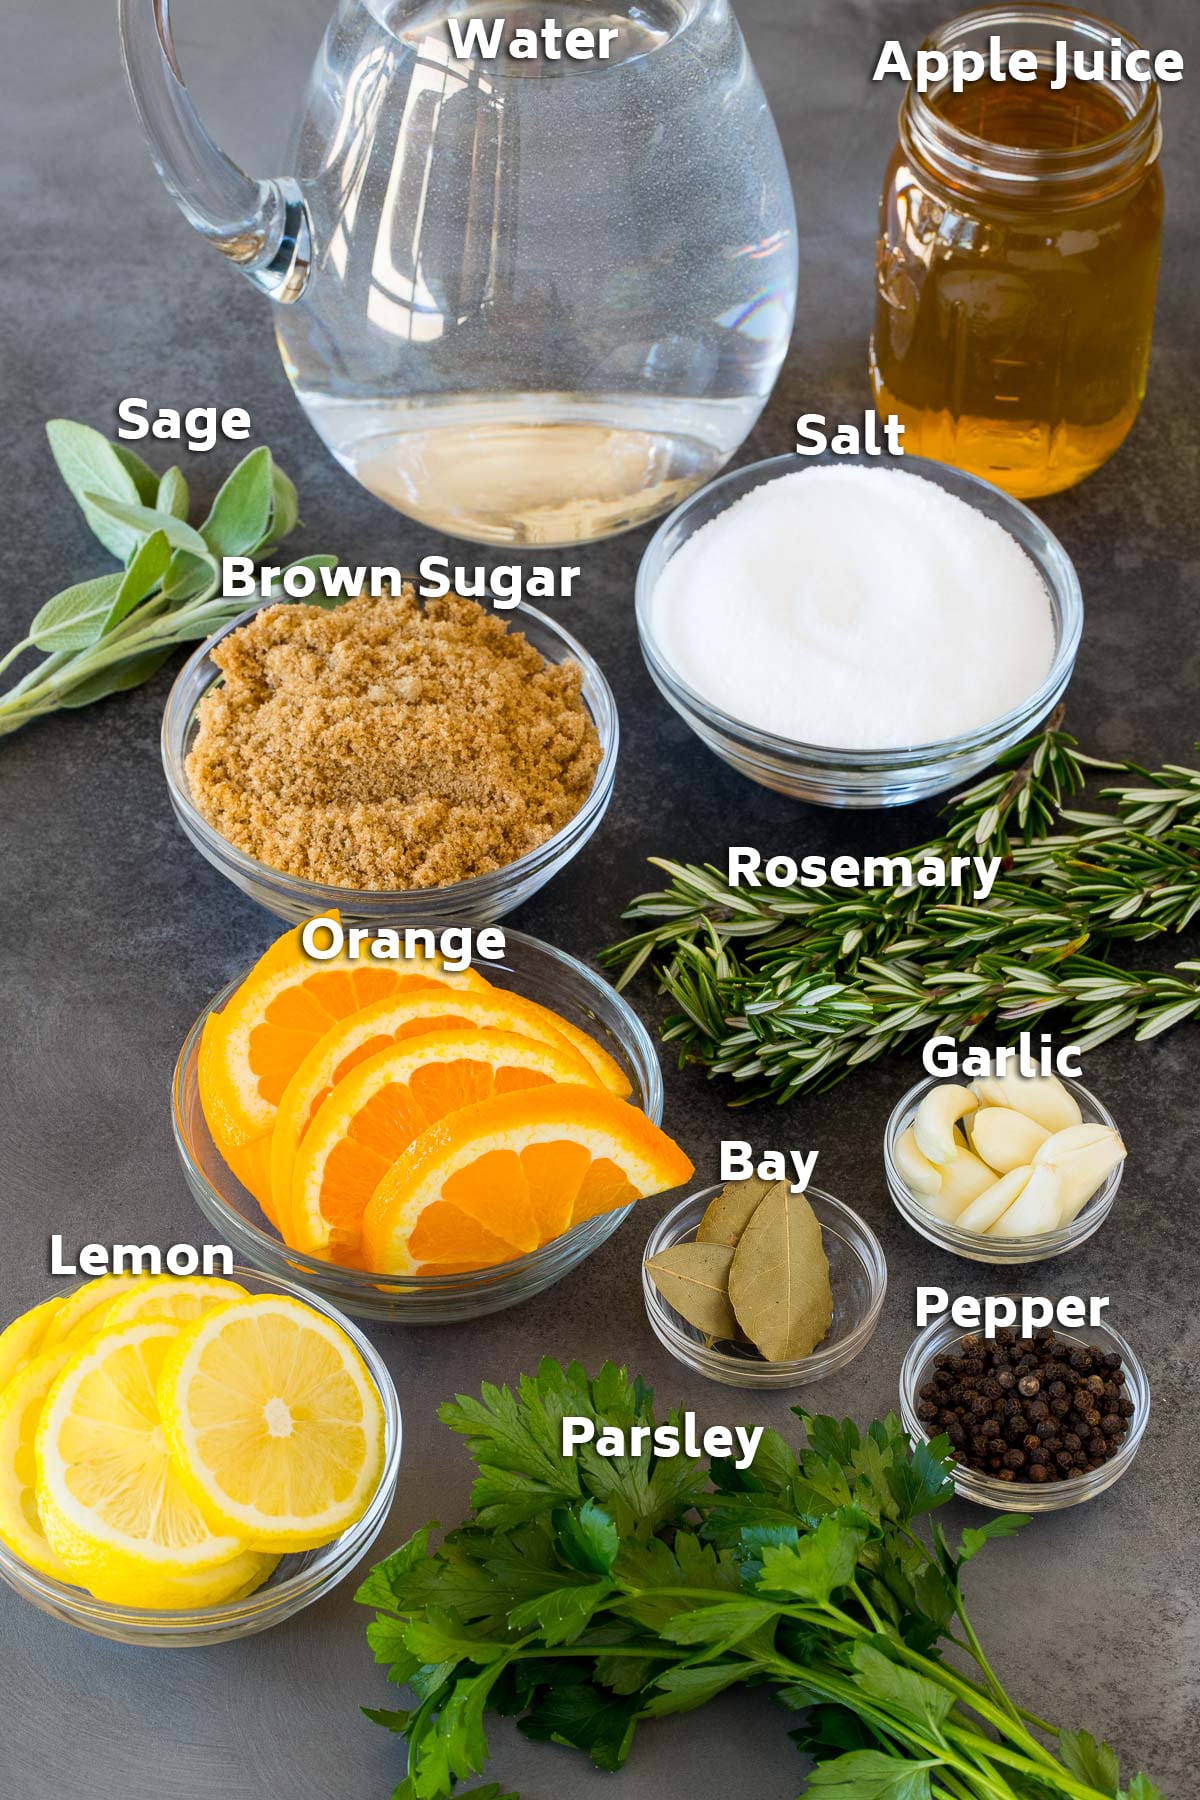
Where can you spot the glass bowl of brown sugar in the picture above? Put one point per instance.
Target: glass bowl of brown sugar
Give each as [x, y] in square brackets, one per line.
[580, 711]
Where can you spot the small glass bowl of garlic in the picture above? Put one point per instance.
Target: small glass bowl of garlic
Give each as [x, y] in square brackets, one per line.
[1005, 1169]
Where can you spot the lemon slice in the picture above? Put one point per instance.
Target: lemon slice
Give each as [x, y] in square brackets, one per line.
[274, 1423]
[179, 1298]
[118, 1583]
[21, 1406]
[80, 1313]
[24, 1338]
[111, 1501]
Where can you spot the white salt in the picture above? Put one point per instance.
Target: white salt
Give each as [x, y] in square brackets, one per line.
[862, 609]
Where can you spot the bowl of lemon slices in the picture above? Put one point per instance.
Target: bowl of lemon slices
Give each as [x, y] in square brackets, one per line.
[186, 1460]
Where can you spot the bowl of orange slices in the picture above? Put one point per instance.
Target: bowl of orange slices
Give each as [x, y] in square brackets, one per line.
[415, 1142]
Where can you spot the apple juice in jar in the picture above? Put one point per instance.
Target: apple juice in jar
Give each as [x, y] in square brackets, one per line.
[1017, 261]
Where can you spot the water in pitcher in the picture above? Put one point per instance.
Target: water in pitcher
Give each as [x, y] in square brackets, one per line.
[554, 294]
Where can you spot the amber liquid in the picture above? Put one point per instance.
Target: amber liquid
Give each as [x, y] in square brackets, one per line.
[1011, 337]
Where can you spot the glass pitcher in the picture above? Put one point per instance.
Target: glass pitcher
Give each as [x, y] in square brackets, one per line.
[524, 301]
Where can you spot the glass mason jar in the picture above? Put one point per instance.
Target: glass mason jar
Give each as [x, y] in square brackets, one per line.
[1018, 257]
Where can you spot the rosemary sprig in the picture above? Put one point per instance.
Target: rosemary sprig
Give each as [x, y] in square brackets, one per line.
[793, 989]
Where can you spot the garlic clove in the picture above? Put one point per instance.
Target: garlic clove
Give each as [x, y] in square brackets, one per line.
[1082, 1164]
[993, 1202]
[1037, 1209]
[915, 1170]
[1042, 1098]
[935, 1119]
[1075, 1137]
[1006, 1138]
[965, 1176]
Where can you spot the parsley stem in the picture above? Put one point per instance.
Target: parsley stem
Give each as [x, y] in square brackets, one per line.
[856, 1590]
[840, 1688]
[986, 1669]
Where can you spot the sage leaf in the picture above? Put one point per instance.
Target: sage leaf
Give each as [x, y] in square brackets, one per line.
[191, 577]
[238, 518]
[285, 504]
[144, 478]
[319, 597]
[172, 496]
[144, 575]
[694, 1279]
[115, 679]
[729, 1214]
[89, 465]
[74, 619]
[143, 520]
[779, 1278]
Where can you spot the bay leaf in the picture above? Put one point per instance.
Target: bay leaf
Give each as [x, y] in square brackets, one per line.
[694, 1279]
[779, 1278]
[730, 1213]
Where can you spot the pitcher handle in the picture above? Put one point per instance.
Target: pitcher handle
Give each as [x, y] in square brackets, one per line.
[261, 226]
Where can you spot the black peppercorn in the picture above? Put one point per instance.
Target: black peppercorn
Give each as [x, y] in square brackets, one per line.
[1027, 1409]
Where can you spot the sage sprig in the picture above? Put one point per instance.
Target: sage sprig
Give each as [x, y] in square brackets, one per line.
[113, 631]
[793, 990]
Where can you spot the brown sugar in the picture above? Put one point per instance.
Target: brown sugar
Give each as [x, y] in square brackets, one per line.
[386, 744]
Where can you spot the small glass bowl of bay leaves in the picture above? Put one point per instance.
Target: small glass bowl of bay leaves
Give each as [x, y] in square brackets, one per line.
[857, 1284]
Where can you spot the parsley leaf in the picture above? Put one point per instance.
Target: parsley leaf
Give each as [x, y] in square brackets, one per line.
[1092, 1762]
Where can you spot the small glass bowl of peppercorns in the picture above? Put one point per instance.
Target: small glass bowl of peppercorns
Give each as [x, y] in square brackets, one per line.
[1035, 1424]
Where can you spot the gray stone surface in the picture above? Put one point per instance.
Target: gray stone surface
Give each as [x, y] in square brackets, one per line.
[115, 933]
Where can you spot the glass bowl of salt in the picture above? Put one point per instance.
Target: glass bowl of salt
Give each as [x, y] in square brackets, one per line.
[858, 631]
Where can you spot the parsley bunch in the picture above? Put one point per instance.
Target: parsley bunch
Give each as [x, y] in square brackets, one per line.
[586, 1595]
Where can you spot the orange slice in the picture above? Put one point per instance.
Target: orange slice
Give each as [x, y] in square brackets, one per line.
[390, 1021]
[460, 1195]
[368, 1119]
[250, 1050]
